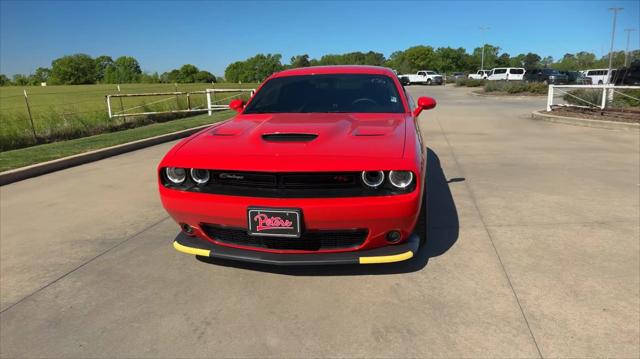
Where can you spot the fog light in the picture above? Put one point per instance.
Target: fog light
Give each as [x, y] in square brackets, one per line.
[200, 176]
[394, 237]
[186, 228]
[373, 179]
[176, 175]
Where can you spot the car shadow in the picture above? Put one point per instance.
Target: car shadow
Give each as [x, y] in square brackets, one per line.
[442, 234]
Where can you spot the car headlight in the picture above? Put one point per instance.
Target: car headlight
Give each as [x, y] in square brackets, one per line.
[373, 179]
[200, 176]
[176, 175]
[401, 179]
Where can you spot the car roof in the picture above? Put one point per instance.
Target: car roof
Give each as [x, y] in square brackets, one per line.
[338, 69]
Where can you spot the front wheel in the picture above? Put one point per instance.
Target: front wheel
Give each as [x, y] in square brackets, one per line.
[429, 82]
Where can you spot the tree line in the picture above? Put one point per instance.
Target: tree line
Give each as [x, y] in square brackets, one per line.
[82, 69]
[442, 59]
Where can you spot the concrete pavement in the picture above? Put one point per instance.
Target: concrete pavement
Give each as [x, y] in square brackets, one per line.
[533, 251]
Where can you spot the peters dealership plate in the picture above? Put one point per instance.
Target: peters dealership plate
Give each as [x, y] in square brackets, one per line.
[280, 222]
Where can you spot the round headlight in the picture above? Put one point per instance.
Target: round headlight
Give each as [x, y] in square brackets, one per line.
[401, 179]
[176, 175]
[200, 176]
[373, 179]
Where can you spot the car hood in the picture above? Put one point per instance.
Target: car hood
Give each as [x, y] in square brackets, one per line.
[315, 135]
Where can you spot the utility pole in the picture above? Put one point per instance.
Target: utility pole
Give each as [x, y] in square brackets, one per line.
[626, 53]
[613, 35]
[483, 29]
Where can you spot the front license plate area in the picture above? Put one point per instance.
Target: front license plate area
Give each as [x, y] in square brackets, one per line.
[275, 222]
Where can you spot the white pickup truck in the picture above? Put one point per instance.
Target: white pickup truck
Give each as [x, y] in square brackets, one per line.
[424, 77]
[480, 75]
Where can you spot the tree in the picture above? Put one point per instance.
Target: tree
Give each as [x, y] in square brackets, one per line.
[102, 63]
[517, 61]
[73, 70]
[490, 57]
[4, 80]
[187, 74]
[204, 76]
[300, 61]
[20, 80]
[41, 75]
[531, 61]
[125, 69]
[547, 61]
[504, 60]
[448, 59]
[254, 69]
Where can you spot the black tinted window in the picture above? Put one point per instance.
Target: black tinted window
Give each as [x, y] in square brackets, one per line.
[499, 71]
[516, 71]
[327, 93]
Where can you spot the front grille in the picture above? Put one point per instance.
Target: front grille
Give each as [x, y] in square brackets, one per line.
[287, 185]
[308, 241]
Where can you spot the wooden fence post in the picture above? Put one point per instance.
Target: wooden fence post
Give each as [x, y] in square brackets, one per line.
[33, 127]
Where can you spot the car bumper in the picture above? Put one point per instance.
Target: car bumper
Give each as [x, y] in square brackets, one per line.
[388, 254]
[376, 214]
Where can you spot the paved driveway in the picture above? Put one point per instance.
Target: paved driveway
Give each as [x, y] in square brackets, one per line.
[533, 251]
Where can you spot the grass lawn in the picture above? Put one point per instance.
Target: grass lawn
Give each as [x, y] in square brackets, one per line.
[73, 111]
[41, 153]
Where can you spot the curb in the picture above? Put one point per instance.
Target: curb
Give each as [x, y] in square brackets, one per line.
[39, 169]
[480, 94]
[609, 125]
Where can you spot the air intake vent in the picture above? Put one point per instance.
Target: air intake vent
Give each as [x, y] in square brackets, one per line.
[289, 137]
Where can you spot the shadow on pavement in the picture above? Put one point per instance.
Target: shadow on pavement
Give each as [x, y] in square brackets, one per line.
[442, 233]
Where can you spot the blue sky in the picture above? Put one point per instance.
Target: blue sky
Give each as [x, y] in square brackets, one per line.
[210, 35]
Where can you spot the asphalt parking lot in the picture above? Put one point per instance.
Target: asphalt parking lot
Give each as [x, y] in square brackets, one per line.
[533, 251]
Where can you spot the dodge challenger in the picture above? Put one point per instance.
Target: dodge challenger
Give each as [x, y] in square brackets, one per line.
[322, 165]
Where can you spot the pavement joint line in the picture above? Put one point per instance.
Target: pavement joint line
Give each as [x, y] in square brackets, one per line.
[560, 223]
[136, 234]
[486, 229]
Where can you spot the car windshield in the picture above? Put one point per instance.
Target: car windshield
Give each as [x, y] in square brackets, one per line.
[327, 93]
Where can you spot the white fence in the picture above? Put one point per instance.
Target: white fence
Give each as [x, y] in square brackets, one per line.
[213, 103]
[606, 97]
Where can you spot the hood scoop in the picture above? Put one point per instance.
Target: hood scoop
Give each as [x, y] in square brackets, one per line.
[289, 137]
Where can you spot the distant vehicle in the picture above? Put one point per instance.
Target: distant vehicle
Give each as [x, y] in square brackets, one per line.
[577, 78]
[546, 76]
[629, 76]
[457, 75]
[425, 77]
[404, 80]
[480, 75]
[506, 73]
[598, 76]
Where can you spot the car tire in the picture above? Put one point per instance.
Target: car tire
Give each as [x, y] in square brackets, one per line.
[429, 82]
[600, 82]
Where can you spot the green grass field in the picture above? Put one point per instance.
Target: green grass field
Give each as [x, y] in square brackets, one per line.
[68, 112]
[50, 151]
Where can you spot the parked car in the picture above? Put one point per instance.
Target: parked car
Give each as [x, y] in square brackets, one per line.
[598, 76]
[327, 167]
[426, 77]
[456, 76]
[576, 78]
[480, 75]
[629, 76]
[506, 73]
[546, 76]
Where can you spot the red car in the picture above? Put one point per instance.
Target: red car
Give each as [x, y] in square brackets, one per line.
[323, 165]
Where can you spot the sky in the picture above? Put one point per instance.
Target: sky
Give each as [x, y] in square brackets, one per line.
[212, 34]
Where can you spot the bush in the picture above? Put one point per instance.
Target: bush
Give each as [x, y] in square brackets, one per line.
[466, 82]
[515, 87]
[583, 97]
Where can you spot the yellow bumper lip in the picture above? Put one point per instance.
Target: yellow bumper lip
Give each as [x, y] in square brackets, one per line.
[190, 250]
[387, 259]
[361, 260]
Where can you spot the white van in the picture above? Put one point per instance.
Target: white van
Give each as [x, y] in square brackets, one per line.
[598, 76]
[506, 73]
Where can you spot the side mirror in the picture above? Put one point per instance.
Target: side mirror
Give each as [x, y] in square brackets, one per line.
[237, 105]
[424, 103]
